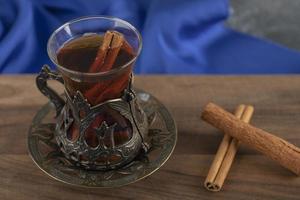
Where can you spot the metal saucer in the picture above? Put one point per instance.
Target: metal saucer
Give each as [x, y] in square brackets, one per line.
[47, 156]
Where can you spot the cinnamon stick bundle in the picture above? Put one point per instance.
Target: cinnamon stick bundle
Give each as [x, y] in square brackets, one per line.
[279, 150]
[225, 154]
[107, 52]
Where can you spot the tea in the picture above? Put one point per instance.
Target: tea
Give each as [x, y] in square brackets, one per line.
[94, 53]
[80, 53]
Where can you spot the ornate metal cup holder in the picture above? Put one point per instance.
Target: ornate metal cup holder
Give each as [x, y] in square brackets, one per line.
[48, 157]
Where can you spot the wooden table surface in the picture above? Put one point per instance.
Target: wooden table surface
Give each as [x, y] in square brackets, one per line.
[252, 176]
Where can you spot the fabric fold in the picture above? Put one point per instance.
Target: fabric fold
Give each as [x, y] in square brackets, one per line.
[179, 36]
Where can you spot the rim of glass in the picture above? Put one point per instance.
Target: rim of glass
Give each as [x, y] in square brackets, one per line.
[105, 73]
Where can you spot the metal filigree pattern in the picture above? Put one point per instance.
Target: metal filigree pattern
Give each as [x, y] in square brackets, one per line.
[47, 155]
[76, 112]
[41, 82]
[83, 114]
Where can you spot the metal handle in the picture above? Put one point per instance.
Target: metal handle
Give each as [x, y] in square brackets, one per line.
[41, 82]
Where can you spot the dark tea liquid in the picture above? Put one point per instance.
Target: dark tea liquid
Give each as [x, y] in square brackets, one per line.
[79, 55]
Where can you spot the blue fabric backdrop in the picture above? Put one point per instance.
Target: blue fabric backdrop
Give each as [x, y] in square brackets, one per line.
[179, 36]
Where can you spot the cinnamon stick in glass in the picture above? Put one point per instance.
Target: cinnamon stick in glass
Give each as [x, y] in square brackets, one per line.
[281, 151]
[102, 54]
[225, 154]
[104, 61]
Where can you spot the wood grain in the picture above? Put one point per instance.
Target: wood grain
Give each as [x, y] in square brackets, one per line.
[252, 176]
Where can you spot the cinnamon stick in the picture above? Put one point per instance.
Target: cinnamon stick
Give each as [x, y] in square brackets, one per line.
[105, 59]
[114, 49]
[127, 48]
[225, 154]
[279, 150]
[107, 52]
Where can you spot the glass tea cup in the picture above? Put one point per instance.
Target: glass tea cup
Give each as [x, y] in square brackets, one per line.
[99, 122]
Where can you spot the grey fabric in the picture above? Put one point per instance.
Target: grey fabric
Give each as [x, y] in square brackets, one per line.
[277, 20]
